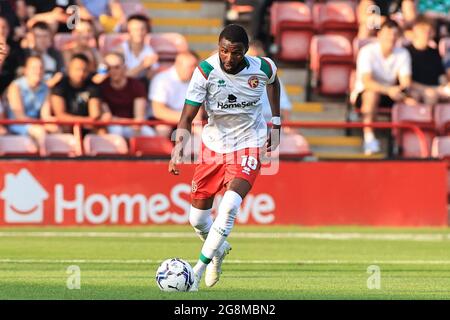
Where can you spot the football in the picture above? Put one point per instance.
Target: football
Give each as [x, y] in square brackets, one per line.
[175, 275]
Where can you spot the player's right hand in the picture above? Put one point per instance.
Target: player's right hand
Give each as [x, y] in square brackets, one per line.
[173, 168]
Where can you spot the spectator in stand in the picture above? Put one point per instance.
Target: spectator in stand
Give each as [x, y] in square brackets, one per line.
[383, 74]
[168, 90]
[84, 34]
[123, 98]
[40, 42]
[75, 97]
[140, 58]
[372, 13]
[14, 57]
[428, 73]
[28, 99]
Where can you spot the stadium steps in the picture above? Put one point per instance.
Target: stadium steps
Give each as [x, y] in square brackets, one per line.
[308, 107]
[193, 17]
[293, 80]
[199, 21]
[339, 141]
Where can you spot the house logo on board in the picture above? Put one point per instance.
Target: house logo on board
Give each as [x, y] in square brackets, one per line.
[23, 197]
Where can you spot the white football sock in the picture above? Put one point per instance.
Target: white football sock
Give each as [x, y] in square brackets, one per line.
[200, 267]
[201, 221]
[220, 229]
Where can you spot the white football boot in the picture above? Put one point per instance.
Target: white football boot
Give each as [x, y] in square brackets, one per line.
[214, 268]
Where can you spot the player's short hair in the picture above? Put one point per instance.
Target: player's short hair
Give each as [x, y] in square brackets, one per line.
[234, 33]
[80, 56]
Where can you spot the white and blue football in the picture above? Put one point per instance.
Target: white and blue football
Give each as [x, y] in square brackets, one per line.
[175, 275]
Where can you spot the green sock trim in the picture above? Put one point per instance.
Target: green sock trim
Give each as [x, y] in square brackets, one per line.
[204, 259]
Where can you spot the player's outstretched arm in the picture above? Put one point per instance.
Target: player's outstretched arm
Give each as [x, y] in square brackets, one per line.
[273, 92]
[182, 134]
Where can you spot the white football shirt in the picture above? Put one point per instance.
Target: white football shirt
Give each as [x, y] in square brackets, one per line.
[233, 102]
[385, 70]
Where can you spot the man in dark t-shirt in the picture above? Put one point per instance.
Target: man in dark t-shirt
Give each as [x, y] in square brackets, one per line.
[75, 97]
[428, 73]
[123, 98]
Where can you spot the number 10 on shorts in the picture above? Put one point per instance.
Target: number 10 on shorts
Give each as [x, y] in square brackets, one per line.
[248, 163]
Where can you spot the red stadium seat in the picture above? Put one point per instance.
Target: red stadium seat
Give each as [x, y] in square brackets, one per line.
[292, 28]
[440, 147]
[11, 145]
[420, 113]
[107, 144]
[110, 41]
[63, 144]
[444, 46]
[337, 17]
[407, 140]
[410, 144]
[293, 145]
[168, 45]
[151, 146]
[442, 117]
[331, 63]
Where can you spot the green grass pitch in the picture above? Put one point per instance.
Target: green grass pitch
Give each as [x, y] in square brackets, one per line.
[265, 263]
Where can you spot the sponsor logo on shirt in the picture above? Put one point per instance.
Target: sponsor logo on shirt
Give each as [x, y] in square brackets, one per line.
[232, 103]
[232, 98]
[221, 83]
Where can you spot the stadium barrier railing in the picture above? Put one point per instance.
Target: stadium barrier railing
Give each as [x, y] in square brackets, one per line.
[78, 125]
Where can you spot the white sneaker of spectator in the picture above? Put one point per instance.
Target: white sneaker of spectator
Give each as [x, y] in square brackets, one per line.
[371, 147]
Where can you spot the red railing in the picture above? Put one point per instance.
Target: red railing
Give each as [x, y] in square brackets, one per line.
[77, 126]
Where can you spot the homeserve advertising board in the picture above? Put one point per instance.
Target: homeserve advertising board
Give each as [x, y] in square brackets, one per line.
[120, 192]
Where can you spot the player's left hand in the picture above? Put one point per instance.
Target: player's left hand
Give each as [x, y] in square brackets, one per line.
[273, 141]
